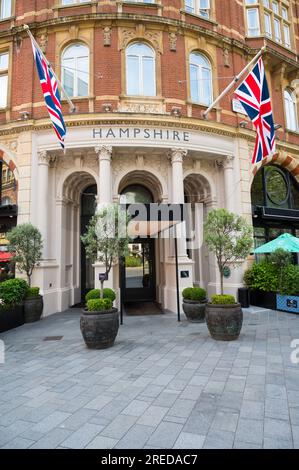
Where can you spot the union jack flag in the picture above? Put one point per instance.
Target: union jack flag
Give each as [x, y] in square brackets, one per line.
[254, 95]
[51, 93]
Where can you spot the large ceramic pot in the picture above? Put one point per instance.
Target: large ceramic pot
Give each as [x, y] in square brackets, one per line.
[11, 317]
[33, 309]
[194, 310]
[224, 321]
[99, 329]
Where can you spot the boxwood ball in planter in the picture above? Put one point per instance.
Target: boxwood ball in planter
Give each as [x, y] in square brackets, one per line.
[194, 304]
[33, 305]
[99, 323]
[224, 318]
[12, 294]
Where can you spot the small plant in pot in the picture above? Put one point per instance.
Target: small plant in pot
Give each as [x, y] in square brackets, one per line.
[25, 241]
[194, 304]
[106, 241]
[229, 237]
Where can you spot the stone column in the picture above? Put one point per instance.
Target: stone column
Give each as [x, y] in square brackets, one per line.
[230, 190]
[44, 160]
[104, 155]
[177, 158]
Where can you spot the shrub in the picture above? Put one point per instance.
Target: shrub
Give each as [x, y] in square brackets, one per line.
[194, 293]
[262, 276]
[290, 284]
[133, 262]
[13, 291]
[32, 292]
[99, 305]
[223, 299]
[96, 294]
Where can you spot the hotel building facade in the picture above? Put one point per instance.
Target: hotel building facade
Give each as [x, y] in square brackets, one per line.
[141, 74]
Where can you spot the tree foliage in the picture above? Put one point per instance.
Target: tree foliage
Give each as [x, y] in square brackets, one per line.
[25, 241]
[229, 237]
[106, 239]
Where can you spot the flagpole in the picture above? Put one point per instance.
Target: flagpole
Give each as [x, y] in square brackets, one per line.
[235, 80]
[72, 106]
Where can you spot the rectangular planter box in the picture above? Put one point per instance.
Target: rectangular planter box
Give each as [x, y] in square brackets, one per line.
[263, 299]
[11, 318]
[287, 303]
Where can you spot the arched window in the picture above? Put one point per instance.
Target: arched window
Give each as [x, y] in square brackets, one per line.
[291, 110]
[141, 70]
[136, 194]
[200, 79]
[75, 70]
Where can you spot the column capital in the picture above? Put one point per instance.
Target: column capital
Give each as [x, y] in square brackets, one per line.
[177, 155]
[228, 162]
[104, 152]
[44, 158]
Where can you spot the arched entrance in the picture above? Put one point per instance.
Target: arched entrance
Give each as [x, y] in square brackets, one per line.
[77, 206]
[198, 195]
[138, 273]
[275, 204]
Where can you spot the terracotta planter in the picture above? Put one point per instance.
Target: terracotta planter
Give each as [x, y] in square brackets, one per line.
[99, 329]
[33, 309]
[224, 321]
[194, 310]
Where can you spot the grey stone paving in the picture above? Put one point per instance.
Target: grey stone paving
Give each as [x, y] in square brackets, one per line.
[162, 385]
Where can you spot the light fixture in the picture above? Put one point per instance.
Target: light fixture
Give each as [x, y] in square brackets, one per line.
[277, 126]
[24, 115]
[243, 124]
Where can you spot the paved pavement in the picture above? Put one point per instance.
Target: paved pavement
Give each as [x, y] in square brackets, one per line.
[163, 385]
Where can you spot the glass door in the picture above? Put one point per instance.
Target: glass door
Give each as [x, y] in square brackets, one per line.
[138, 273]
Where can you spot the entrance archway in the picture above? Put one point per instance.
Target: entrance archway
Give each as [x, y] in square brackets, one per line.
[79, 192]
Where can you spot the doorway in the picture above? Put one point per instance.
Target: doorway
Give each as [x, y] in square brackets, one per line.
[138, 274]
[88, 208]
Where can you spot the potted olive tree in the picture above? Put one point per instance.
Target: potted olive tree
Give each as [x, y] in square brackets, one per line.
[25, 241]
[106, 240]
[229, 237]
[194, 304]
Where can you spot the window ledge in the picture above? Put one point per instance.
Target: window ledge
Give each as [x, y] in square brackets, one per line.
[272, 41]
[194, 15]
[140, 4]
[201, 105]
[59, 6]
[78, 98]
[291, 131]
[10, 18]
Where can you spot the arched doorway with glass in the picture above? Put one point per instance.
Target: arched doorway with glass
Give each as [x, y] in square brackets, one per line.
[275, 204]
[138, 273]
[88, 209]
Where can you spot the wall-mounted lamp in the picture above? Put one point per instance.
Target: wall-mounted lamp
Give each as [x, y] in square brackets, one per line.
[176, 111]
[24, 115]
[107, 107]
[243, 124]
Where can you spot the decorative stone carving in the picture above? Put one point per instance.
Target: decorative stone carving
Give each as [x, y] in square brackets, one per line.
[228, 162]
[150, 108]
[226, 58]
[104, 152]
[43, 42]
[173, 41]
[127, 35]
[177, 155]
[107, 36]
[44, 158]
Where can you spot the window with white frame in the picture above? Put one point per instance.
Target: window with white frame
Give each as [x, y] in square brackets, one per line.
[290, 104]
[4, 61]
[141, 1]
[5, 9]
[140, 70]
[270, 18]
[73, 2]
[75, 70]
[200, 79]
[198, 7]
